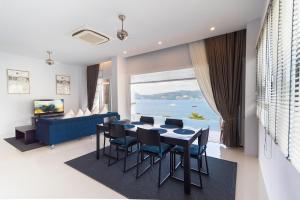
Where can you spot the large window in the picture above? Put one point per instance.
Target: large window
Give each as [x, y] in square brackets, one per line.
[278, 65]
[173, 94]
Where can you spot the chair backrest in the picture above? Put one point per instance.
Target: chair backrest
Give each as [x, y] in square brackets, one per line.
[147, 120]
[148, 137]
[109, 120]
[117, 130]
[176, 122]
[203, 138]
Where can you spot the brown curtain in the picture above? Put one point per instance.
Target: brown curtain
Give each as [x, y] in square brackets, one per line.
[226, 60]
[92, 79]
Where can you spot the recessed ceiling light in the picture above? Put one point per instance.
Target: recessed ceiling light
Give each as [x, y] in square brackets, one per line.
[159, 43]
[124, 52]
[212, 28]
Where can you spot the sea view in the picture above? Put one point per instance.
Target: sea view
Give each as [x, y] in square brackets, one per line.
[178, 108]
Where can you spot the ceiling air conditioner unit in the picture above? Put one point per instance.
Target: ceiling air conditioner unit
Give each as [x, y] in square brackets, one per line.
[90, 36]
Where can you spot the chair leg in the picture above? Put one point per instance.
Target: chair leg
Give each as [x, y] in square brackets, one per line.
[117, 149]
[125, 159]
[181, 160]
[171, 163]
[142, 155]
[199, 171]
[174, 162]
[104, 138]
[152, 160]
[109, 154]
[159, 172]
[137, 164]
[206, 163]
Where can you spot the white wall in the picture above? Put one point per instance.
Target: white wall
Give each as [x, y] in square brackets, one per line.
[281, 178]
[119, 87]
[163, 60]
[250, 120]
[17, 109]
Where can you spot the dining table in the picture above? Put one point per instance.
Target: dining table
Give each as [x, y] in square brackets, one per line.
[168, 134]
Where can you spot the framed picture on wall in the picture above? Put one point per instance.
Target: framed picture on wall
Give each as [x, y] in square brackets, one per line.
[18, 82]
[63, 85]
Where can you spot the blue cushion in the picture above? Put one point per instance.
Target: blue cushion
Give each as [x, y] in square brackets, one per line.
[121, 141]
[193, 149]
[155, 149]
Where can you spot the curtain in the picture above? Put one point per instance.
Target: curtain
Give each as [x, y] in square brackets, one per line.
[201, 68]
[92, 80]
[226, 60]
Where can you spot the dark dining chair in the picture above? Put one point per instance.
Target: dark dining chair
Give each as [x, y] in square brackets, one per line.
[147, 120]
[106, 126]
[149, 143]
[119, 139]
[197, 152]
[175, 122]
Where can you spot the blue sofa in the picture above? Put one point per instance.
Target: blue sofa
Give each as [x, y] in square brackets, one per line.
[51, 131]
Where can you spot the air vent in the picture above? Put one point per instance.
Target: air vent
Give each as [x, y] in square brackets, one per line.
[90, 36]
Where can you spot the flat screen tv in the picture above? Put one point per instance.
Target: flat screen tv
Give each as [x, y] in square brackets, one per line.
[48, 106]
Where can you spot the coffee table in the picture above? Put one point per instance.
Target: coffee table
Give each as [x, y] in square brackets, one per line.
[26, 132]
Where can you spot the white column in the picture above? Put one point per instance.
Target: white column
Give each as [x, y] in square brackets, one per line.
[250, 119]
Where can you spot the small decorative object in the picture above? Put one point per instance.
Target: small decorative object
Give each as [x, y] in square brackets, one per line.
[18, 82]
[49, 60]
[122, 34]
[196, 116]
[63, 85]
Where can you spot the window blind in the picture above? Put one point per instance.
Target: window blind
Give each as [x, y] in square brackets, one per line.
[283, 74]
[294, 148]
[258, 80]
[273, 37]
[278, 76]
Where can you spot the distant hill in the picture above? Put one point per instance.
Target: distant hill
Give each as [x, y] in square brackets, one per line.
[181, 94]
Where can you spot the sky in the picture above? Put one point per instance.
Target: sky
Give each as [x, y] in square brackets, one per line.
[162, 87]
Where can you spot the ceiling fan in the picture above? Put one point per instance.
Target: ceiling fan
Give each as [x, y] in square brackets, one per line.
[49, 60]
[122, 34]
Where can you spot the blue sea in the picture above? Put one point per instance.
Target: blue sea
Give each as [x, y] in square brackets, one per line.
[180, 109]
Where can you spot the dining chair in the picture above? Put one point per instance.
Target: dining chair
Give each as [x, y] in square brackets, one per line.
[106, 126]
[119, 139]
[149, 143]
[176, 122]
[197, 152]
[147, 120]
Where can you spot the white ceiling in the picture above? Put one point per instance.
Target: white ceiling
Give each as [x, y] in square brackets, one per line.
[30, 27]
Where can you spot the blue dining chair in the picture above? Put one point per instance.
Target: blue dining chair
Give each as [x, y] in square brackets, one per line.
[106, 126]
[119, 139]
[149, 143]
[147, 120]
[196, 152]
[175, 122]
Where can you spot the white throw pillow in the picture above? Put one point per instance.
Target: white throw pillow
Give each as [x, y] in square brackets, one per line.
[79, 113]
[87, 112]
[95, 110]
[69, 114]
[104, 109]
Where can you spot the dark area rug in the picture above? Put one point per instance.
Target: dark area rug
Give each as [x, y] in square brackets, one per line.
[21, 146]
[219, 185]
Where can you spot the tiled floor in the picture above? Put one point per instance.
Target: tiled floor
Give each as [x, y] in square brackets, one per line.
[41, 173]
